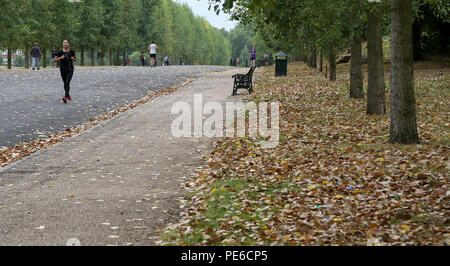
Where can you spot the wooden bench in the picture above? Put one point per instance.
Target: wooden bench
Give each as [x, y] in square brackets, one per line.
[243, 81]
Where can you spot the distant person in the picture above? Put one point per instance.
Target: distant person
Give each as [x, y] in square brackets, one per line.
[152, 48]
[266, 59]
[36, 55]
[253, 56]
[128, 60]
[54, 52]
[166, 61]
[237, 61]
[66, 57]
[143, 59]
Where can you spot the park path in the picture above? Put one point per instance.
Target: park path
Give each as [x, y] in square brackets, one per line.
[115, 184]
[31, 105]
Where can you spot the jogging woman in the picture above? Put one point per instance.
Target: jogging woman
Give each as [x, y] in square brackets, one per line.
[253, 56]
[66, 57]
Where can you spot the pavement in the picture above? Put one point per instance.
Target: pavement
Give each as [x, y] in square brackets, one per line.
[31, 105]
[114, 184]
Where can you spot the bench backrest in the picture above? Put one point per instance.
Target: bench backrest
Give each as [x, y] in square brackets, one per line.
[250, 73]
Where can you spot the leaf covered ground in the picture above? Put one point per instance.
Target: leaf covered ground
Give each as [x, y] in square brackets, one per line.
[333, 180]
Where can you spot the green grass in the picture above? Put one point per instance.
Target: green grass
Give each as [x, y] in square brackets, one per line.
[222, 202]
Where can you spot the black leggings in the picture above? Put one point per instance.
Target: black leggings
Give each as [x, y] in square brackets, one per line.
[66, 76]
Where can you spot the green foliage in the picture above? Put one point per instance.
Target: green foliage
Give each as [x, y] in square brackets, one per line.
[302, 26]
[243, 38]
[117, 25]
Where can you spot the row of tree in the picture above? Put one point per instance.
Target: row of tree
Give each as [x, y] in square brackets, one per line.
[112, 27]
[321, 28]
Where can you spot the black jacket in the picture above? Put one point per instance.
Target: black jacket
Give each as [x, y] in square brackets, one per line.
[36, 52]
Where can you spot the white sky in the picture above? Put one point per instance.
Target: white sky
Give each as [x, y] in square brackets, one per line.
[200, 8]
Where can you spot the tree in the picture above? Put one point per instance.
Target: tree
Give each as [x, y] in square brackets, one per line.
[109, 36]
[403, 127]
[114, 25]
[89, 21]
[41, 26]
[356, 74]
[376, 101]
[129, 24]
[10, 26]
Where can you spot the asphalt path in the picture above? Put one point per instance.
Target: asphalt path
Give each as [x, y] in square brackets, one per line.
[31, 101]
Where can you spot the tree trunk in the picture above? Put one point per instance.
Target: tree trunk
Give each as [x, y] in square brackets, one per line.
[356, 75]
[124, 58]
[376, 99]
[82, 56]
[117, 58]
[27, 57]
[44, 57]
[403, 127]
[320, 60]
[9, 58]
[314, 58]
[92, 57]
[102, 58]
[332, 61]
[110, 58]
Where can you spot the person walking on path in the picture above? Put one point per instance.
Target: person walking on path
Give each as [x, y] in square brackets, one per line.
[54, 52]
[152, 48]
[166, 61]
[253, 56]
[66, 57]
[237, 62]
[128, 60]
[36, 55]
[143, 59]
[266, 59]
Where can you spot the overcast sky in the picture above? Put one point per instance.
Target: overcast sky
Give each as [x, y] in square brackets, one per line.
[200, 8]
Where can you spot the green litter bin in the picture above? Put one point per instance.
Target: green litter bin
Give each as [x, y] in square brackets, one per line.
[281, 64]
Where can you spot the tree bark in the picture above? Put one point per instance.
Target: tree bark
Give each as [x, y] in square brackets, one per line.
[313, 58]
[403, 126]
[9, 58]
[27, 57]
[376, 99]
[309, 60]
[102, 58]
[320, 60]
[82, 56]
[332, 60]
[110, 58]
[356, 74]
[44, 57]
[92, 57]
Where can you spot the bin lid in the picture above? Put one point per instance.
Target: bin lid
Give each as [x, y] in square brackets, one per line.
[281, 54]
